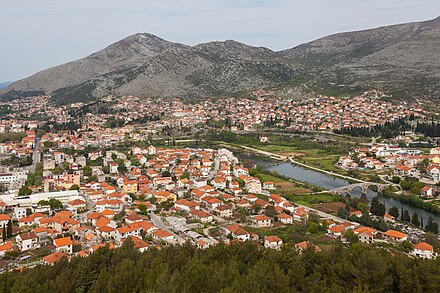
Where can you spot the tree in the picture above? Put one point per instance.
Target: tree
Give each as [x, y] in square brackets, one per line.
[405, 184]
[87, 171]
[377, 208]
[343, 213]
[58, 170]
[363, 207]
[415, 219]
[394, 211]
[4, 236]
[185, 175]
[312, 227]
[351, 237]
[431, 226]
[405, 216]
[24, 191]
[9, 229]
[74, 187]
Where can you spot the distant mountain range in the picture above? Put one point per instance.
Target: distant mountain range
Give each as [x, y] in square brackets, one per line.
[403, 60]
[5, 84]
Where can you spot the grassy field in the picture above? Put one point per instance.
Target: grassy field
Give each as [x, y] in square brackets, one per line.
[311, 200]
[320, 158]
[283, 232]
[270, 178]
[295, 233]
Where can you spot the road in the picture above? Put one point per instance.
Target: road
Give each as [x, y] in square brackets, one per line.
[325, 215]
[157, 221]
[35, 155]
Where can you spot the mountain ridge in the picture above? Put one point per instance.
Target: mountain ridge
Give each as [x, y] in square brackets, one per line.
[399, 58]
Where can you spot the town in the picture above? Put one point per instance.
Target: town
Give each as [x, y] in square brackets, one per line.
[68, 192]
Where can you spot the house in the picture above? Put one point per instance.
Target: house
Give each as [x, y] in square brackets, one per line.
[138, 243]
[27, 241]
[388, 218]
[302, 246]
[262, 221]
[268, 185]
[356, 214]
[423, 250]
[163, 195]
[395, 236]
[285, 218]
[402, 170]
[110, 204]
[225, 211]
[4, 220]
[106, 232]
[54, 258]
[336, 231]
[428, 191]
[240, 171]
[273, 242]
[163, 235]
[186, 205]
[202, 216]
[6, 247]
[434, 173]
[64, 245]
[253, 186]
[211, 202]
[130, 186]
[365, 234]
[300, 215]
[76, 204]
[237, 232]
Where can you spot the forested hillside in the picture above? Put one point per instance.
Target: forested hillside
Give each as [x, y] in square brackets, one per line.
[236, 268]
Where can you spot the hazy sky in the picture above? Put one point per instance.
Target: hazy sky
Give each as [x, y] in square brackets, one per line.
[36, 34]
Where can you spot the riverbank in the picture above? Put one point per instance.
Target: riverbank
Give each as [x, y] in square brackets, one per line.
[284, 158]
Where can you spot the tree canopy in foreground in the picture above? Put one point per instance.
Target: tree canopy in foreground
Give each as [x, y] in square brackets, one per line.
[236, 268]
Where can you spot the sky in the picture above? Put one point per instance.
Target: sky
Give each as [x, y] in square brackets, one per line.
[37, 34]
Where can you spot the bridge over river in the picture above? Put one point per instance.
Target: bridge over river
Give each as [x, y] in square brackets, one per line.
[363, 186]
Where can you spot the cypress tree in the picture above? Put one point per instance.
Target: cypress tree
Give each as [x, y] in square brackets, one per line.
[405, 216]
[415, 219]
[9, 231]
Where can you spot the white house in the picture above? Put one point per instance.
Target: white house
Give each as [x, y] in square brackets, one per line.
[423, 250]
[27, 241]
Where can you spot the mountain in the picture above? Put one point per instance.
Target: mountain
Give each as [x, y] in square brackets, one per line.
[5, 84]
[401, 59]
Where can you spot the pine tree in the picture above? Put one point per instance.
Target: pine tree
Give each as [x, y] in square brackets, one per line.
[415, 219]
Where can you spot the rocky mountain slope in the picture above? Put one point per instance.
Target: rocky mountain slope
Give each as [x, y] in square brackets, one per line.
[402, 59]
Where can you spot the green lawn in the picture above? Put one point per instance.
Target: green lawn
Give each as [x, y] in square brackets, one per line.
[311, 199]
[270, 178]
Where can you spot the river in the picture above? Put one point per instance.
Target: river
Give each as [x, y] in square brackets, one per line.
[330, 182]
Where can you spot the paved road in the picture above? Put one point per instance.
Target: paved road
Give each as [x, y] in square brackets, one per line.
[325, 215]
[35, 155]
[157, 221]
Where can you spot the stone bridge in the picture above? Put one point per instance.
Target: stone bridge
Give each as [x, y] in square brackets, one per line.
[363, 186]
